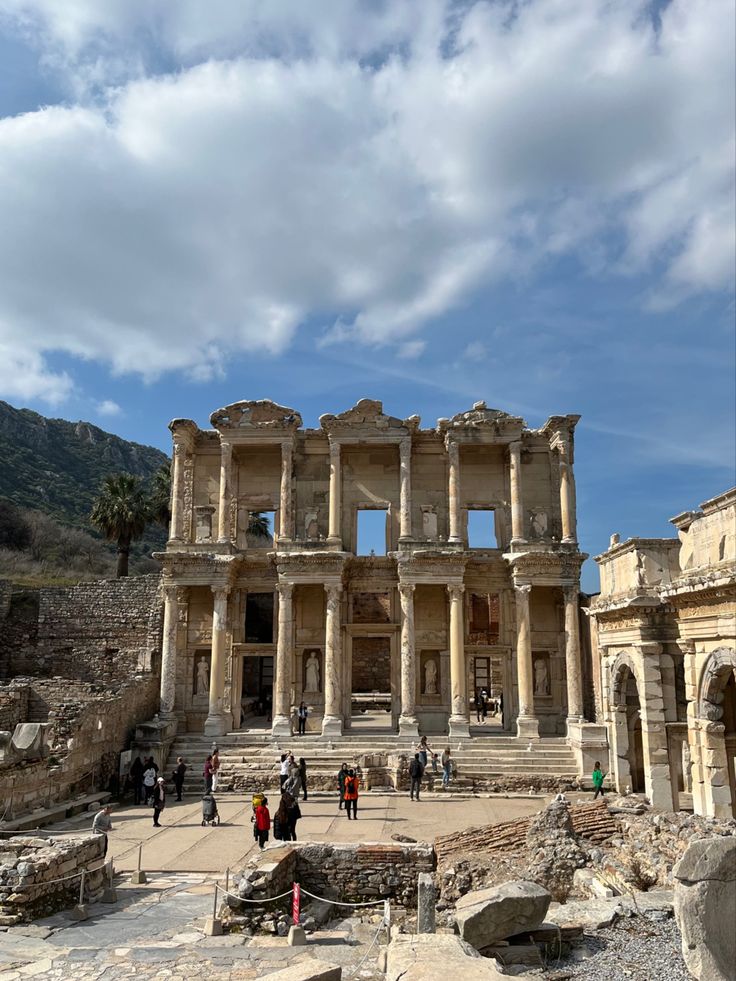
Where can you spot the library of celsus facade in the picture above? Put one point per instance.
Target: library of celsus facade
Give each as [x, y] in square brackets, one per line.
[417, 624]
[666, 640]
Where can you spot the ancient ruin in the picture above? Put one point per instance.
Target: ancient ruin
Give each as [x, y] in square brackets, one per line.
[666, 643]
[416, 626]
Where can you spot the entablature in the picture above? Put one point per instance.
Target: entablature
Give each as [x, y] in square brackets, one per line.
[431, 567]
[557, 566]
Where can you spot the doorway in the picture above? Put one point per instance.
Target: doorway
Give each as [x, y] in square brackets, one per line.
[256, 690]
[371, 697]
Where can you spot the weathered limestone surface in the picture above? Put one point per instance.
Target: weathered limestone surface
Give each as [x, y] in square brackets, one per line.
[705, 908]
[493, 914]
[307, 970]
[436, 957]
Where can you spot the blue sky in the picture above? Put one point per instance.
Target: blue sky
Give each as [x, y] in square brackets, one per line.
[428, 203]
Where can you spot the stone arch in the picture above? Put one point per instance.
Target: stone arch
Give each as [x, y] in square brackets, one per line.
[626, 705]
[714, 734]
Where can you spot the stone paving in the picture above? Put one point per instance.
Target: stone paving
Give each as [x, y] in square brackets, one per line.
[156, 931]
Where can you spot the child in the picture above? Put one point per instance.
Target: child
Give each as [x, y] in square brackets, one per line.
[598, 777]
[262, 821]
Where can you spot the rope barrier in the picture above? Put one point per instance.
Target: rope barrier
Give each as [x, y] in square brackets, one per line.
[362, 961]
[337, 902]
[234, 895]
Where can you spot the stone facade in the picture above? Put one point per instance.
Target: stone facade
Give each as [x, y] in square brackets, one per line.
[666, 655]
[304, 616]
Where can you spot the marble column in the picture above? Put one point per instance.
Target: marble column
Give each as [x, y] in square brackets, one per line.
[334, 534]
[177, 492]
[405, 490]
[573, 667]
[453, 490]
[226, 457]
[567, 492]
[286, 517]
[517, 507]
[527, 724]
[408, 725]
[218, 721]
[459, 701]
[168, 653]
[284, 650]
[332, 721]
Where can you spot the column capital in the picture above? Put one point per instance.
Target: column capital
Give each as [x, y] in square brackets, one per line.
[220, 591]
[455, 590]
[405, 446]
[285, 589]
[452, 446]
[407, 588]
[170, 590]
[523, 589]
[334, 446]
[226, 447]
[571, 591]
[333, 588]
[515, 447]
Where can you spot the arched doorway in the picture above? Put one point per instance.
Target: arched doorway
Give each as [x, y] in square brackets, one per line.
[729, 734]
[635, 752]
[717, 704]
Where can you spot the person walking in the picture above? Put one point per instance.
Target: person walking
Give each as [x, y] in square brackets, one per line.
[423, 749]
[207, 774]
[178, 776]
[416, 771]
[446, 768]
[159, 800]
[150, 775]
[303, 776]
[302, 713]
[215, 767]
[293, 784]
[341, 776]
[478, 705]
[484, 703]
[293, 814]
[102, 824]
[598, 778]
[136, 778]
[281, 819]
[351, 793]
[262, 823]
[284, 771]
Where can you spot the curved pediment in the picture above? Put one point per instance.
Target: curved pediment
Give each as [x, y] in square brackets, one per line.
[256, 414]
[482, 419]
[367, 418]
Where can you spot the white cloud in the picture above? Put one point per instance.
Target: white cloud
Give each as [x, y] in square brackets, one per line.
[475, 351]
[346, 163]
[410, 350]
[24, 376]
[108, 407]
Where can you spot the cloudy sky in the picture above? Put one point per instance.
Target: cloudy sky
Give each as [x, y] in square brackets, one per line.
[424, 201]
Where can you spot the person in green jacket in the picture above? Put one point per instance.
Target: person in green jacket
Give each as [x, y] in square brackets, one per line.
[598, 776]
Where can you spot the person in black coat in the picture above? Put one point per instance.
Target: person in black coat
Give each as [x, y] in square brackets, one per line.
[159, 800]
[136, 778]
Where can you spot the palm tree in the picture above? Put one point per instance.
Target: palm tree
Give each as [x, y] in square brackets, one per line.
[159, 499]
[121, 512]
[258, 525]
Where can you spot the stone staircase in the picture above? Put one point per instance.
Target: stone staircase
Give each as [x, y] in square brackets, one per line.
[250, 761]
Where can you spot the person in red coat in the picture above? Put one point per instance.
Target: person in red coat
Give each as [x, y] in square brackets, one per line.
[351, 794]
[262, 819]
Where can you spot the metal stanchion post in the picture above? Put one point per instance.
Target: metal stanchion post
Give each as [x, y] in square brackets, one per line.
[213, 925]
[138, 878]
[297, 937]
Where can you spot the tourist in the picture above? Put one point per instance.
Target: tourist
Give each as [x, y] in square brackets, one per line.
[500, 707]
[446, 768]
[350, 793]
[281, 830]
[215, 766]
[341, 775]
[598, 778]
[262, 823]
[159, 800]
[150, 775]
[303, 775]
[302, 713]
[478, 705]
[207, 774]
[294, 814]
[136, 778]
[178, 776]
[416, 771]
[484, 702]
[435, 763]
[423, 749]
[102, 824]
[284, 771]
[293, 782]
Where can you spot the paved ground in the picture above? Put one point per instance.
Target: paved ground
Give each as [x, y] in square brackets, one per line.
[155, 931]
[182, 844]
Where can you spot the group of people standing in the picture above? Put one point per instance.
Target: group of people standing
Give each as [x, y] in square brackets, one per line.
[485, 703]
[418, 766]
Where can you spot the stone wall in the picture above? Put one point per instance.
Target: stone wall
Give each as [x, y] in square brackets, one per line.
[91, 724]
[13, 707]
[40, 875]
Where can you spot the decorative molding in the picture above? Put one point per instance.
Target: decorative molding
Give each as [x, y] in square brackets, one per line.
[256, 415]
[368, 417]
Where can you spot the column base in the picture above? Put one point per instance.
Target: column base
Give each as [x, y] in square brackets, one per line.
[408, 725]
[215, 725]
[334, 540]
[459, 726]
[331, 726]
[527, 727]
[281, 726]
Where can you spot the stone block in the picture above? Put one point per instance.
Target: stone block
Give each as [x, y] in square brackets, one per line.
[435, 957]
[705, 908]
[307, 970]
[493, 914]
[426, 901]
[296, 936]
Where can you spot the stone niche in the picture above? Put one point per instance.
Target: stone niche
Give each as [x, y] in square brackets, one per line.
[201, 676]
[430, 677]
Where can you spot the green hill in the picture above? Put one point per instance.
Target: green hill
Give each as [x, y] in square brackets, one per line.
[56, 467]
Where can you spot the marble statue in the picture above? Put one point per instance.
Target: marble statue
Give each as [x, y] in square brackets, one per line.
[430, 677]
[312, 673]
[202, 684]
[541, 677]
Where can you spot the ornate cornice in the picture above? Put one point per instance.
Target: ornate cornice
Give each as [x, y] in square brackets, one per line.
[430, 567]
[369, 420]
[257, 415]
[492, 424]
[560, 566]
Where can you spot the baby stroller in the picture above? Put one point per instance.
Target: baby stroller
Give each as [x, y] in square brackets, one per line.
[209, 810]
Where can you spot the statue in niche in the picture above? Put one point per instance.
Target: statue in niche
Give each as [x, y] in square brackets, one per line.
[202, 682]
[430, 677]
[312, 673]
[541, 676]
[539, 524]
